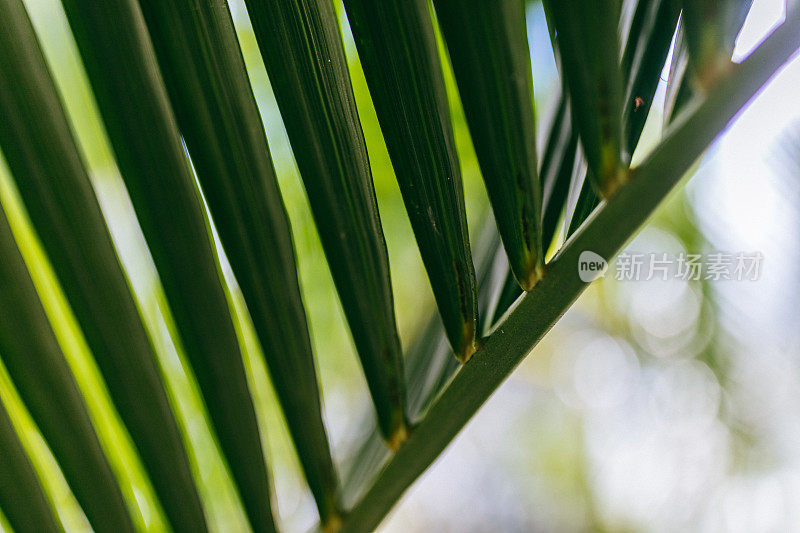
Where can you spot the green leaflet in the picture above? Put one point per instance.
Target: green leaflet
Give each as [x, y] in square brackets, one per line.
[22, 498]
[711, 27]
[557, 161]
[703, 46]
[585, 202]
[133, 103]
[52, 180]
[303, 52]
[488, 48]
[40, 373]
[587, 41]
[205, 76]
[646, 47]
[398, 51]
[679, 90]
[643, 58]
[647, 42]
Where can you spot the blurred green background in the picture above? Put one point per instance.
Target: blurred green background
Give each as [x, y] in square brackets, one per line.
[657, 406]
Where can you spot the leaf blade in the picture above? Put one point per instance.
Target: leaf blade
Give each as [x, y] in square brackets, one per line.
[40, 373]
[642, 62]
[303, 52]
[557, 161]
[587, 41]
[711, 27]
[145, 141]
[397, 48]
[69, 222]
[22, 498]
[205, 76]
[488, 48]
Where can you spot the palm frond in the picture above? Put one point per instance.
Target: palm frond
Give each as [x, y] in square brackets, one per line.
[605, 233]
[167, 71]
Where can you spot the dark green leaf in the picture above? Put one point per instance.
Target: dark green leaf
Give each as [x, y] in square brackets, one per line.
[698, 59]
[304, 55]
[397, 47]
[488, 48]
[214, 105]
[647, 42]
[679, 91]
[43, 379]
[52, 180]
[585, 203]
[120, 62]
[587, 41]
[22, 498]
[558, 160]
[644, 54]
[711, 28]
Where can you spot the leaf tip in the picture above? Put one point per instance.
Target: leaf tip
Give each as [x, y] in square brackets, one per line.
[333, 524]
[533, 273]
[468, 345]
[398, 437]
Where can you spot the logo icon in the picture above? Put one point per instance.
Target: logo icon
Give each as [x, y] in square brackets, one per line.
[591, 266]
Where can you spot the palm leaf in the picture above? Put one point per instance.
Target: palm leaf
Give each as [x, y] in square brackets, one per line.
[643, 57]
[304, 56]
[121, 67]
[488, 48]
[558, 159]
[397, 48]
[302, 47]
[586, 200]
[34, 361]
[647, 41]
[51, 178]
[214, 105]
[703, 46]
